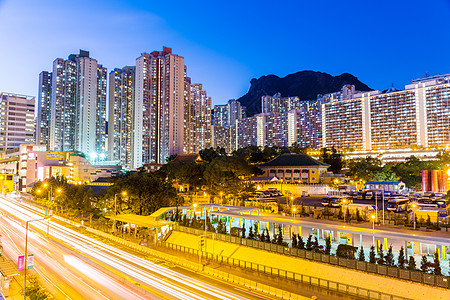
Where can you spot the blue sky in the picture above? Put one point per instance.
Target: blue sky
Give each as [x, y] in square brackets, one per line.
[227, 43]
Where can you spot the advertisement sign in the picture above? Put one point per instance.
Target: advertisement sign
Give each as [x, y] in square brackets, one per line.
[53, 155]
[30, 262]
[21, 263]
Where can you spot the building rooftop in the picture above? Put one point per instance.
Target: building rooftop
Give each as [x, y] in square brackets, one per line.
[293, 160]
[188, 158]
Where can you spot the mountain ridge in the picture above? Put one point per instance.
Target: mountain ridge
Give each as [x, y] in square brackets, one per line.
[304, 84]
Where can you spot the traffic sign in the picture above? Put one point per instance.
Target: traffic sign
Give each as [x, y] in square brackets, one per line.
[30, 262]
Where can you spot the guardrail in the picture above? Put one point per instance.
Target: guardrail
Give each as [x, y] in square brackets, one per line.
[296, 277]
[415, 276]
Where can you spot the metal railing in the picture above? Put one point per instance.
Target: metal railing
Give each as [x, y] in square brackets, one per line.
[391, 271]
[330, 285]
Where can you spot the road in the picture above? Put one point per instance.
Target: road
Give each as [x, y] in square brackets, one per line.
[71, 267]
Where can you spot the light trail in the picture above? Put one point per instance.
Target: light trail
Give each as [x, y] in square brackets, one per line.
[167, 281]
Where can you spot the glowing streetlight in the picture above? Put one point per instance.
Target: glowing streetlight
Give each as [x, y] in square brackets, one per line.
[123, 193]
[293, 212]
[373, 228]
[414, 214]
[221, 200]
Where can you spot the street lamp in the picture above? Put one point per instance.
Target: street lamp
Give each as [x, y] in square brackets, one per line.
[124, 193]
[345, 211]
[26, 256]
[293, 212]
[414, 214]
[221, 200]
[373, 228]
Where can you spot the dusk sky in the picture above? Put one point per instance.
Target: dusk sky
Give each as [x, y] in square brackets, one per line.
[227, 43]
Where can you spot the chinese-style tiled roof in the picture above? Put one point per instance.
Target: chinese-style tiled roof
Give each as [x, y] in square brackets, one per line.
[294, 160]
[188, 158]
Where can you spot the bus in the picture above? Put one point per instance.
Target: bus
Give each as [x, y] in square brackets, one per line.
[336, 201]
[398, 204]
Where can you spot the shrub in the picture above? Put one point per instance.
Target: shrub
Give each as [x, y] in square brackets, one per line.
[328, 245]
[401, 258]
[361, 256]
[389, 257]
[424, 267]
[437, 265]
[301, 243]
[294, 241]
[309, 243]
[346, 251]
[380, 259]
[412, 263]
[372, 257]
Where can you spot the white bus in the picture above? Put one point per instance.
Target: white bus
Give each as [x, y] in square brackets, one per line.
[398, 204]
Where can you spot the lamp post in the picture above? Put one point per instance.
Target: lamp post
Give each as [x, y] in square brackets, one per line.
[221, 200]
[414, 214]
[343, 207]
[26, 255]
[373, 228]
[115, 208]
[293, 212]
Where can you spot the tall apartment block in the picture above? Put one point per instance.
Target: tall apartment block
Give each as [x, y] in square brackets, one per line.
[43, 108]
[228, 114]
[158, 107]
[197, 120]
[77, 105]
[16, 121]
[418, 115]
[120, 118]
[279, 105]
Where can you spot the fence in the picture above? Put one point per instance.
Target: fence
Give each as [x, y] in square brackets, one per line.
[296, 277]
[415, 276]
[197, 267]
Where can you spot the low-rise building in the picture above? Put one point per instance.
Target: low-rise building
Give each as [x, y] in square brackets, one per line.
[295, 168]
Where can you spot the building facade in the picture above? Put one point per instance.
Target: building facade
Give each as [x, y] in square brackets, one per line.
[17, 124]
[43, 108]
[158, 107]
[121, 93]
[197, 120]
[416, 116]
[77, 118]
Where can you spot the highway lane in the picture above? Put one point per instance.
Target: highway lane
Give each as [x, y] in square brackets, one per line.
[53, 264]
[166, 282]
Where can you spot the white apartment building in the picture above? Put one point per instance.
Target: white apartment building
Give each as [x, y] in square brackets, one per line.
[16, 120]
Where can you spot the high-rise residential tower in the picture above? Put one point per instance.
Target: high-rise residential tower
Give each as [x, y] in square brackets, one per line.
[199, 120]
[158, 107]
[43, 108]
[77, 105]
[16, 120]
[121, 93]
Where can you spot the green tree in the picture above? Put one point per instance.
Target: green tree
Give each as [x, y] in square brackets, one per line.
[267, 236]
[389, 257]
[251, 235]
[309, 243]
[437, 265]
[315, 247]
[411, 264]
[327, 246]
[301, 243]
[279, 236]
[34, 289]
[401, 258]
[333, 158]
[361, 256]
[380, 259]
[294, 241]
[424, 266]
[243, 233]
[372, 257]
